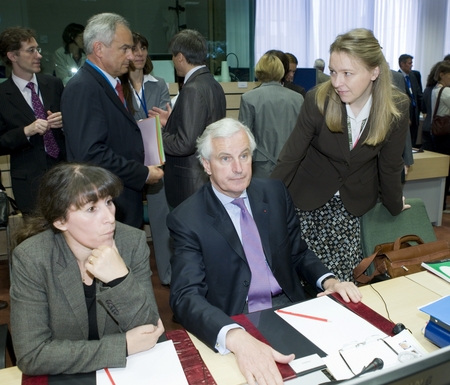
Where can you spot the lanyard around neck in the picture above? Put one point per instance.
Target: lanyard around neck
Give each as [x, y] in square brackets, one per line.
[142, 100]
[101, 73]
[350, 136]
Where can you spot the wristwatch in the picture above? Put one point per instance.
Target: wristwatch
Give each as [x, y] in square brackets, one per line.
[327, 278]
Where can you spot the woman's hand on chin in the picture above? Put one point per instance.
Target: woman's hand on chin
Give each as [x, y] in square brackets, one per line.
[106, 264]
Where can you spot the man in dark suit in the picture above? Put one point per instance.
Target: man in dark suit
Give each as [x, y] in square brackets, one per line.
[30, 117]
[414, 92]
[399, 81]
[213, 263]
[98, 126]
[201, 102]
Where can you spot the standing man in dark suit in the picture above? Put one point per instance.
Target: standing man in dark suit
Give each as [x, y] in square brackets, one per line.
[201, 102]
[99, 128]
[414, 92]
[30, 117]
[399, 81]
[217, 272]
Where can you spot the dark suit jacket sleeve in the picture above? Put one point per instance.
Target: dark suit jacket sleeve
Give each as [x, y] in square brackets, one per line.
[390, 161]
[188, 292]
[93, 125]
[16, 114]
[407, 152]
[11, 138]
[188, 123]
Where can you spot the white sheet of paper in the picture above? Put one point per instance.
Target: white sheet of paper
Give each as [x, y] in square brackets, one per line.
[405, 342]
[345, 327]
[159, 365]
[361, 355]
[337, 366]
[304, 364]
[313, 378]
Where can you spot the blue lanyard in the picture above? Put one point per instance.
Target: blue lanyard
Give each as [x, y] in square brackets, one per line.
[101, 73]
[143, 101]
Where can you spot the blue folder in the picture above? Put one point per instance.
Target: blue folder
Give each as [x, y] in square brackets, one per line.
[438, 327]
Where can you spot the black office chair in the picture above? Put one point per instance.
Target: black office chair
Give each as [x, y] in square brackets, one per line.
[6, 346]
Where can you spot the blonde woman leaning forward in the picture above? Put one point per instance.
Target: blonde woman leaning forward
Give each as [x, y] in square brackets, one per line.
[346, 150]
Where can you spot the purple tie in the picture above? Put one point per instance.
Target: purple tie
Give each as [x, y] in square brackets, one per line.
[259, 293]
[51, 147]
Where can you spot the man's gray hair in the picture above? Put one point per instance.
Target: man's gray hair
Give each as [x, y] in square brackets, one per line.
[223, 128]
[102, 27]
[319, 64]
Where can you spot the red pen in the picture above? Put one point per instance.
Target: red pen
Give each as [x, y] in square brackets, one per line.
[109, 376]
[303, 315]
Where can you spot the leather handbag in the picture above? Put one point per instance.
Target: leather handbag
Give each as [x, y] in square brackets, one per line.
[5, 204]
[399, 258]
[440, 125]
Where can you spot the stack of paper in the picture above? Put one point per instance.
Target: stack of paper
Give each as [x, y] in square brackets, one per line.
[159, 365]
[153, 143]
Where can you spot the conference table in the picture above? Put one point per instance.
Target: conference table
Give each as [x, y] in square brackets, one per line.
[426, 180]
[397, 299]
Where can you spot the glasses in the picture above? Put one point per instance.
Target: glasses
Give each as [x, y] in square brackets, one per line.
[32, 50]
[142, 49]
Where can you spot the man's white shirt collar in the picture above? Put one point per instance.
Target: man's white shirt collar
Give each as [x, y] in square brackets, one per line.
[22, 83]
[189, 74]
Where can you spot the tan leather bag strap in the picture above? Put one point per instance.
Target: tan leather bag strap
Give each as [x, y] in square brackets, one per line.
[358, 271]
[407, 238]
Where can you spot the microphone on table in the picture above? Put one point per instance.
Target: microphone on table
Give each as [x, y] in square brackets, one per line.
[376, 364]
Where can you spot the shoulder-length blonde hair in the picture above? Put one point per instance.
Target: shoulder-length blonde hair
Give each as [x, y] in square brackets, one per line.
[361, 45]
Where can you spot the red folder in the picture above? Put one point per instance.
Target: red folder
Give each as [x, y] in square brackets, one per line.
[195, 369]
[368, 314]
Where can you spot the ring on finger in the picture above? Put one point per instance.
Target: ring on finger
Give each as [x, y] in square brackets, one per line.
[91, 260]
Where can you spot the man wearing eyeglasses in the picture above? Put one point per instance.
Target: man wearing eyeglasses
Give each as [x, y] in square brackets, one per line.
[30, 118]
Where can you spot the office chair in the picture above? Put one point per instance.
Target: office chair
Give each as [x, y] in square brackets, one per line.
[379, 226]
[6, 345]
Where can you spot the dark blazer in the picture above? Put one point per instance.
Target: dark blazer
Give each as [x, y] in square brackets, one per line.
[315, 163]
[49, 318]
[210, 273]
[418, 76]
[201, 102]
[418, 98]
[29, 161]
[100, 130]
[295, 87]
[399, 81]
